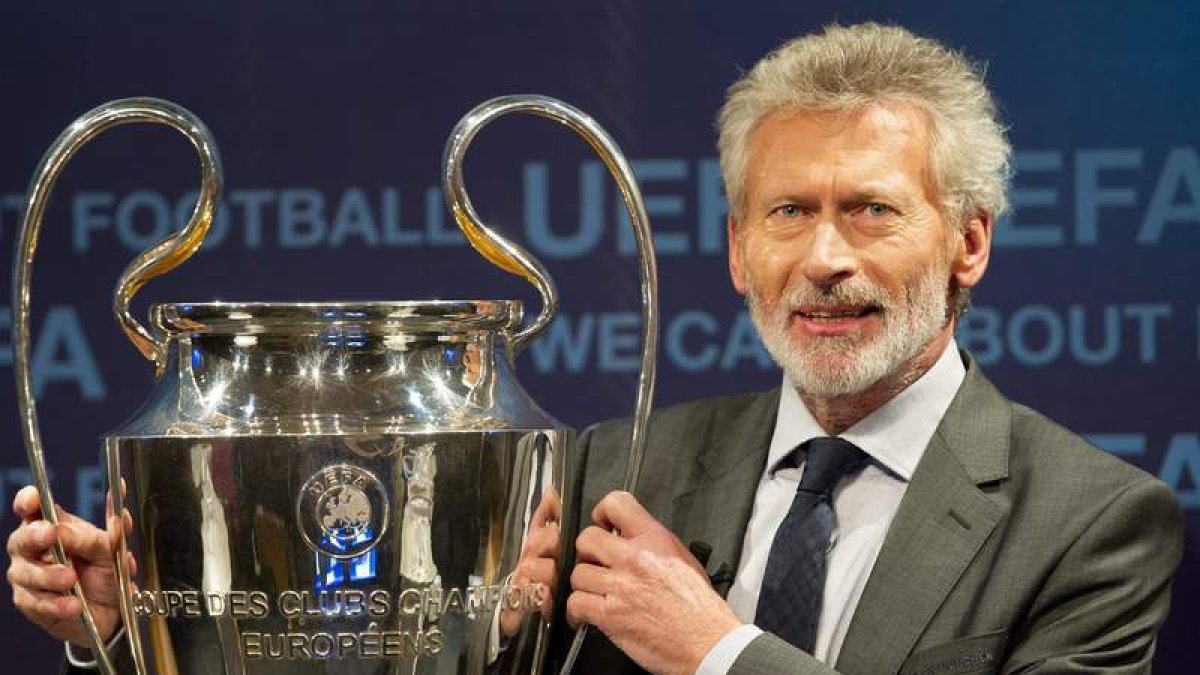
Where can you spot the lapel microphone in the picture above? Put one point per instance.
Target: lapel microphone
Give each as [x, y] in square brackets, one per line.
[723, 577]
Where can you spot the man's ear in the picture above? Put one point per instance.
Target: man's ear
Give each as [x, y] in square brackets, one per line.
[973, 250]
[736, 273]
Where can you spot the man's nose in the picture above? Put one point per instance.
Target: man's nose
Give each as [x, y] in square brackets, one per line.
[831, 258]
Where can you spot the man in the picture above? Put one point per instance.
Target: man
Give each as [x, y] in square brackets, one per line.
[886, 510]
[865, 169]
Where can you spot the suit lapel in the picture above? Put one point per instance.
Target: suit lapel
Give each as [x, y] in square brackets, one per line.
[715, 507]
[942, 522]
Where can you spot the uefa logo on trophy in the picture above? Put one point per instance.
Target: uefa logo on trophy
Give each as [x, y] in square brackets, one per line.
[342, 511]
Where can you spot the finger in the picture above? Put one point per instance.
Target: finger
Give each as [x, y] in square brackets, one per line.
[536, 571]
[114, 530]
[83, 540]
[591, 579]
[108, 498]
[126, 524]
[599, 546]
[27, 504]
[586, 608]
[542, 571]
[542, 543]
[553, 502]
[53, 578]
[545, 586]
[43, 607]
[548, 509]
[31, 540]
[620, 511]
[65, 516]
[545, 604]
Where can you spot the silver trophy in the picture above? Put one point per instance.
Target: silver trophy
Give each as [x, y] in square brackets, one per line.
[335, 488]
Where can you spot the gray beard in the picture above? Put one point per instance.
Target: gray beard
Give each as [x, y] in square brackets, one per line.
[838, 366]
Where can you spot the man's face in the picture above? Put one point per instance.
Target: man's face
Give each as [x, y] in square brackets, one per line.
[842, 252]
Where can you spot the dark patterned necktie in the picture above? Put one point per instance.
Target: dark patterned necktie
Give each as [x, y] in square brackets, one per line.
[790, 600]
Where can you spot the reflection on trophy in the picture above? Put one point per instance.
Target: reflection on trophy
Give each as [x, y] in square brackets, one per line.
[416, 554]
[333, 487]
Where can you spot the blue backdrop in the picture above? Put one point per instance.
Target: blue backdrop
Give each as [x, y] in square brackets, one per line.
[331, 123]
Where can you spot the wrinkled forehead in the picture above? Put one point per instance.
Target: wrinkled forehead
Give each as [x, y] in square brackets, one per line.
[897, 132]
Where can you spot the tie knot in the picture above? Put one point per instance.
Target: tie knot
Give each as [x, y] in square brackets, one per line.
[828, 460]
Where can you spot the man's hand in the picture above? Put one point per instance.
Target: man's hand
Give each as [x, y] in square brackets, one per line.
[537, 567]
[42, 587]
[639, 584]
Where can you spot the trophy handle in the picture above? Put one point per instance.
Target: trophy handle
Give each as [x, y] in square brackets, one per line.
[501, 252]
[514, 259]
[159, 259]
[510, 257]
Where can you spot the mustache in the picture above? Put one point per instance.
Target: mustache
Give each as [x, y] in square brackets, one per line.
[854, 292]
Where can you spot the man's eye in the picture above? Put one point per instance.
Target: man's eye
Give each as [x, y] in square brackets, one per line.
[788, 210]
[876, 209]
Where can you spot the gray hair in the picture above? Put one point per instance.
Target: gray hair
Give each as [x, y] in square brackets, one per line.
[848, 68]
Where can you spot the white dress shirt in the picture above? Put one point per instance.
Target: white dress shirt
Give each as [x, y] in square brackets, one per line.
[894, 437]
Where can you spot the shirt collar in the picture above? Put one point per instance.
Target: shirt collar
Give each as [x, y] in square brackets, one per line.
[894, 434]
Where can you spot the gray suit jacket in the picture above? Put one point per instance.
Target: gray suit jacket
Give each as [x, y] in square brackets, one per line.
[1017, 547]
